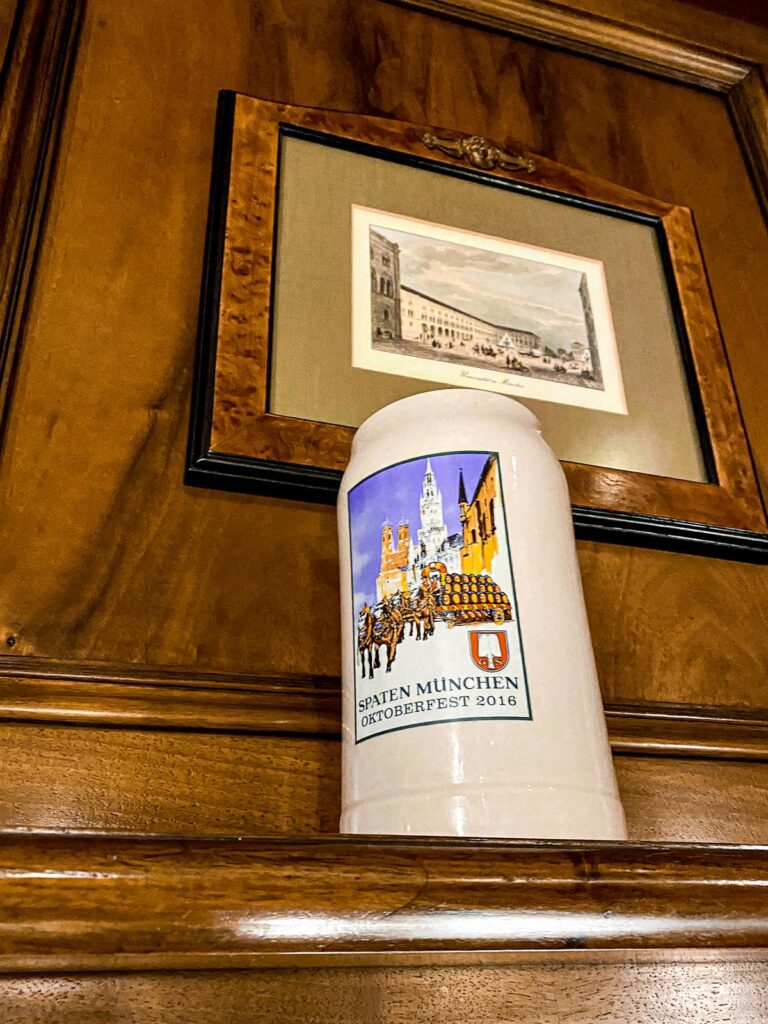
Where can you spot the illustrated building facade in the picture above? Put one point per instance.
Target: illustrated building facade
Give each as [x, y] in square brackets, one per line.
[426, 319]
[480, 541]
[401, 312]
[434, 543]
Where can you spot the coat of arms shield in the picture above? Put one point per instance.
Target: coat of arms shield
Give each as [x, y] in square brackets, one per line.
[489, 649]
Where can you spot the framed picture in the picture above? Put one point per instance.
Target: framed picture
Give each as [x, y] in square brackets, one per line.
[354, 260]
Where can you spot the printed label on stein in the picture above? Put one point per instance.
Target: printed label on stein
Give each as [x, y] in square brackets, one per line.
[437, 631]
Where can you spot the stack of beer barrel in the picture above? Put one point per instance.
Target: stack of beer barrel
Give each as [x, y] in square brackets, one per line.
[467, 597]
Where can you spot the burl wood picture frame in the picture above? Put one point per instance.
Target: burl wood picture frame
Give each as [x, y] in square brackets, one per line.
[237, 443]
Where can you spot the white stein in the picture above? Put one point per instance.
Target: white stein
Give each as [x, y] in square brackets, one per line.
[471, 704]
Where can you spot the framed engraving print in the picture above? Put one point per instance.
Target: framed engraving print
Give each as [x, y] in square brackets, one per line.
[556, 341]
[354, 260]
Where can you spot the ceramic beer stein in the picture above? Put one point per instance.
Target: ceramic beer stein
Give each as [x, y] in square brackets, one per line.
[471, 704]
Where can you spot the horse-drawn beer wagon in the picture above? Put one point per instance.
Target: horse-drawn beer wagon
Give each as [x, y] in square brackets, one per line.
[455, 598]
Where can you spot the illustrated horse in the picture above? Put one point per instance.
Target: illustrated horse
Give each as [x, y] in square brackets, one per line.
[384, 629]
[426, 606]
[419, 611]
[412, 613]
[365, 623]
[387, 631]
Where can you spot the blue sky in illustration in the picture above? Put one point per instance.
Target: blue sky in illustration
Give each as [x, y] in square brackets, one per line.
[394, 494]
[506, 290]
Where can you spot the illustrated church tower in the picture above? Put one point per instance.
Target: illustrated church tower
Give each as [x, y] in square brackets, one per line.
[433, 533]
[393, 574]
[385, 287]
[589, 322]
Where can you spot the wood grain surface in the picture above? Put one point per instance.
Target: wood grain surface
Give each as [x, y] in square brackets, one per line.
[563, 990]
[7, 12]
[170, 783]
[90, 903]
[703, 41]
[38, 43]
[107, 556]
[688, 801]
[749, 108]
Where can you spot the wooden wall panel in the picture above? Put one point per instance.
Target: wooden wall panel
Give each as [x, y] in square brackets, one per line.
[107, 559]
[106, 555]
[676, 627]
[160, 783]
[7, 11]
[565, 991]
[667, 800]
[168, 783]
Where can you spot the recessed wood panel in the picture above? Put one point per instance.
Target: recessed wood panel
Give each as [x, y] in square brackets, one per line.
[106, 555]
[168, 783]
[160, 783]
[559, 992]
[675, 627]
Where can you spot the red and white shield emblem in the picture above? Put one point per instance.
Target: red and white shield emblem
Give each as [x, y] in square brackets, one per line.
[489, 649]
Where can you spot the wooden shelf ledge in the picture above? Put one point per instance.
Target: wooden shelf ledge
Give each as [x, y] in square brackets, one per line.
[115, 903]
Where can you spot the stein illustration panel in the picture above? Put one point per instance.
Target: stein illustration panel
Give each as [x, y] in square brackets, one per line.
[437, 632]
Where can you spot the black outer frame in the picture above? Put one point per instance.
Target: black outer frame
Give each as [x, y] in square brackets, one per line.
[220, 471]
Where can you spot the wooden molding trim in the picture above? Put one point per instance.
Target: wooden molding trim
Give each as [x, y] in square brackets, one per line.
[33, 90]
[103, 903]
[748, 104]
[33, 690]
[678, 730]
[593, 35]
[139, 697]
[740, 78]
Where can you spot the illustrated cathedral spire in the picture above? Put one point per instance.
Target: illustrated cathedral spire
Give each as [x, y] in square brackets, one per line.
[462, 489]
[433, 532]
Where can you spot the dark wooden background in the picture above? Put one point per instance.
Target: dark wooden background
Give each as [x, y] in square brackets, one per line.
[112, 569]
